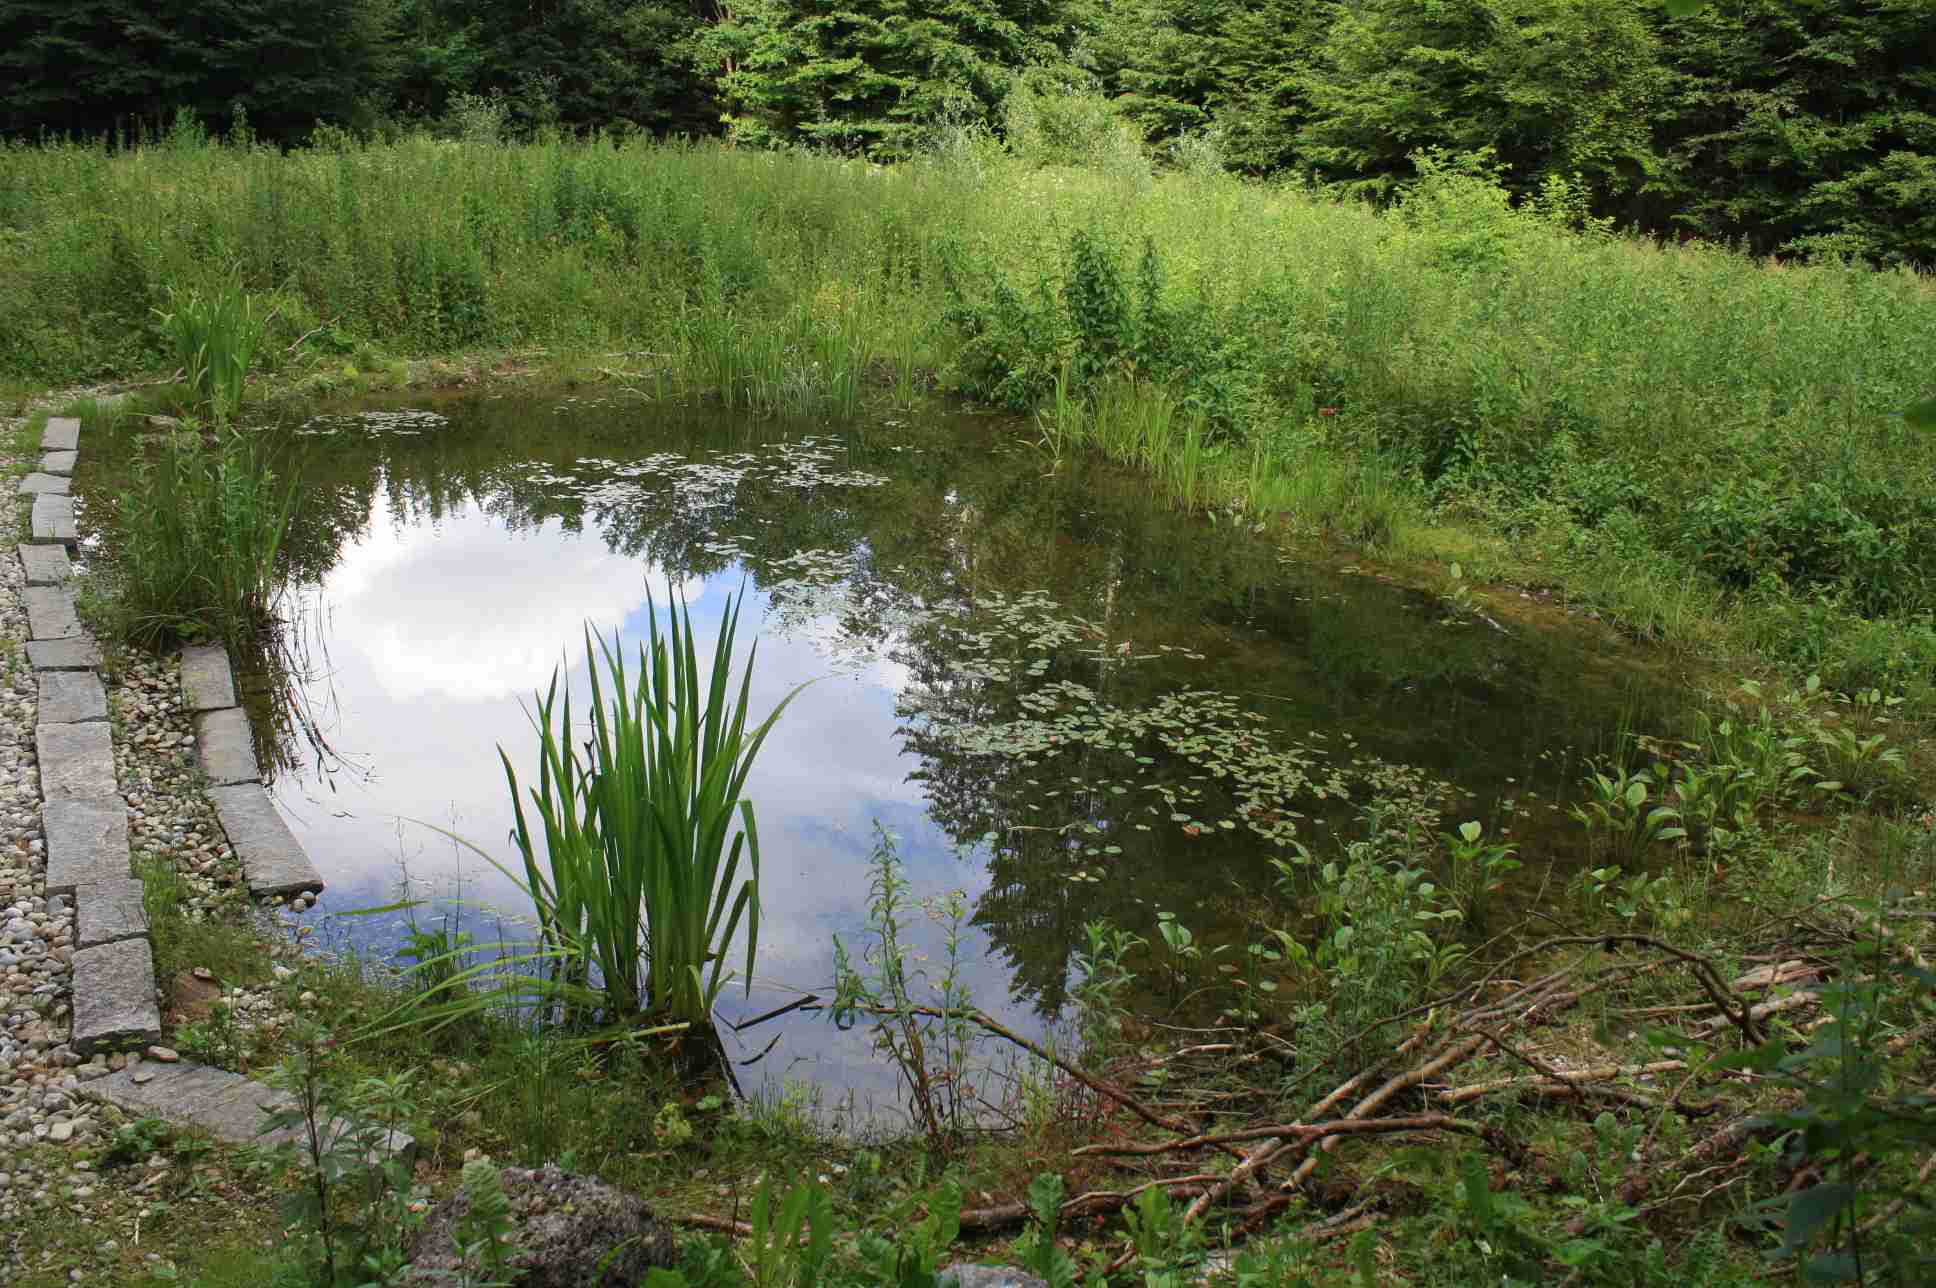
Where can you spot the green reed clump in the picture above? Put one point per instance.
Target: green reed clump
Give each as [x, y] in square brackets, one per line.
[197, 533]
[214, 336]
[635, 863]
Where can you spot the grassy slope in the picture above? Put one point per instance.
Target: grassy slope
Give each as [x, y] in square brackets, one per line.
[1597, 412]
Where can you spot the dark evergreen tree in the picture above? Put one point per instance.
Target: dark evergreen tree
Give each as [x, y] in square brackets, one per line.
[1806, 125]
[590, 63]
[1550, 86]
[91, 66]
[875, 76]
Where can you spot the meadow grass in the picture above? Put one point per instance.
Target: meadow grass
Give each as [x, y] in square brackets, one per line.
[1699, 443]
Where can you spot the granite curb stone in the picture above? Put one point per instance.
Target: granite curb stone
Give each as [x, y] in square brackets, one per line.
[76, 761]
[109, 911]
[114, 997]
[53, 520]
[227, 1105]
[272, 860]
[76, 654]
[226, 748]
[207, 682]
[50, 612]
[87, 843]
[46, 565]
[60, 434]
[72, 697]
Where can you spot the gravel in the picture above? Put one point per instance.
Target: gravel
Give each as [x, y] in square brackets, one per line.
[48, 1131]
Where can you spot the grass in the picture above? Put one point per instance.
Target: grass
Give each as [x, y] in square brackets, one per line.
[1702, 445]
[195, 538]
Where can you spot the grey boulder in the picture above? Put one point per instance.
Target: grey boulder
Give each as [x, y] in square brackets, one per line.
[565, 1228]
[963, 1275]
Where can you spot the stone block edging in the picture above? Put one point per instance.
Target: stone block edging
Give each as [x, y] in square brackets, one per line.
[84, 821]
[273, 860]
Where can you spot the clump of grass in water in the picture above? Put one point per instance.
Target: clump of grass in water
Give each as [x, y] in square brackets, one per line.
[199, 531]
[642, 896]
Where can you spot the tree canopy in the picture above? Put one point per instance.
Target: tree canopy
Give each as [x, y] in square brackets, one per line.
[1791, 126]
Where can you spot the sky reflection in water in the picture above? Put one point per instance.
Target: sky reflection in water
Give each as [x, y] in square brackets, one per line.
[987, 647]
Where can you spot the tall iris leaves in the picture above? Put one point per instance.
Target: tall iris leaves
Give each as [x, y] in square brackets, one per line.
[643, 825]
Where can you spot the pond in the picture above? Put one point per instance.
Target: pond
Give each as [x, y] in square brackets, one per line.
[1066, 700]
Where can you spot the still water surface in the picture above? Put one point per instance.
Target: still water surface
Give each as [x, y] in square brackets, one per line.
[1066, 700]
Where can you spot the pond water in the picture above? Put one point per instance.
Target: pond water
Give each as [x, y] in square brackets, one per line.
[1065, 699]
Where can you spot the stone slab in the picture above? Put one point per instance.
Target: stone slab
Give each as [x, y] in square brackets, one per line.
[76, 761]
[273, 861]
[226, 747]
[87, 843]
[226, 1105]
[60, 434]
[50, 613]
[109, 912]
[46, 565]
[53, 520]
[38, 484]
[77, 654]
[58, 462]
[72, 697]
[114, 997]
[207, 683]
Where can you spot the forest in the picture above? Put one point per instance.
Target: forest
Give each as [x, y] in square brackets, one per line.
[1789, 127]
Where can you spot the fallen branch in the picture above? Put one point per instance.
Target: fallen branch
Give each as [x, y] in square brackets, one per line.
[1091, 1204]
[1599, 1073]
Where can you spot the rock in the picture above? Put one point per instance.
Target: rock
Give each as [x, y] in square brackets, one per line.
[565, 1225]
[963, 1275]
[165, 1055]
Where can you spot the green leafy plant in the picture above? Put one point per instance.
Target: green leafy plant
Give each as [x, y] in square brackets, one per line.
[354, 1182]
[635, 884]
[1622, 812]
[930, 1046]
[779, 1257]
[1102, 977]
[1858, 1128]
[1478, 869]
[483, 1233]
[215, 337]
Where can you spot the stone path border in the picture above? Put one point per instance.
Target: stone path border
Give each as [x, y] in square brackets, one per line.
[82, 815]
[85, 824]
[273, 861]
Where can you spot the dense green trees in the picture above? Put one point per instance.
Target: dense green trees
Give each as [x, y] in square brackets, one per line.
[876, 75]
[93, 66]
[1796, 126]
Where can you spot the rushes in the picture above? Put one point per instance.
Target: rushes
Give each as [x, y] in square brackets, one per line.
[643, 895]
[199, 530]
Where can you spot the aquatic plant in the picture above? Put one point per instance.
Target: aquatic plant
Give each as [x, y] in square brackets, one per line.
[197, 536]
[638, 890]
[214, 337]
